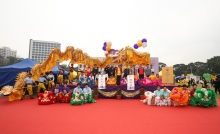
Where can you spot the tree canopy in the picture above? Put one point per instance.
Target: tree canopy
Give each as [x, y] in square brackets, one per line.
[212, 66]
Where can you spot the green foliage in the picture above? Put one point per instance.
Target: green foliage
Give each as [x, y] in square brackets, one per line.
[161, 64]
[212, 66]
[9, 60]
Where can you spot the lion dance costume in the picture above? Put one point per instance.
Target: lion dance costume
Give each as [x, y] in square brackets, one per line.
[205, 98]
[178, 97]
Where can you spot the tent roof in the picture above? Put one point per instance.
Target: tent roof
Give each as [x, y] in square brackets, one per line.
[26, 63]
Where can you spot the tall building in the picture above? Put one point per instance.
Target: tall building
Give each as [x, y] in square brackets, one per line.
[39, 50]
[7, 52]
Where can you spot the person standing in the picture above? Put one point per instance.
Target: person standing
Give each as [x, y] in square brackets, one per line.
[141, 72]
[71, 68]
[126, 70]
[107, 69]
[217, 84]
[147, 71]
[118, 72]
[41, 82]
[60, 75]
[50, 78]
[111, 71]
[95, 71]
[29, 82]
[204, 84]
[151, 68]
[88, 71]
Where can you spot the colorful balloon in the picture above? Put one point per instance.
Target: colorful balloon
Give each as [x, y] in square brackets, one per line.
[144, 44]
[104, 48]
[139, 43]
[108, 43]
[135, 46]
[144, 40]
[105, 44]
[108, 48]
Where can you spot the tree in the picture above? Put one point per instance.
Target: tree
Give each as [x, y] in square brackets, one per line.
[180, 69]
[2, 61]
[161, 64]
[213, 65]
[9, 60]
[201, 68]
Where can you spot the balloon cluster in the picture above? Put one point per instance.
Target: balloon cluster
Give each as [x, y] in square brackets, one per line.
[141, 43]
[107, 46]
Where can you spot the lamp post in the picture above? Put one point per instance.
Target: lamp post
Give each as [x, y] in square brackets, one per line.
[191, 70]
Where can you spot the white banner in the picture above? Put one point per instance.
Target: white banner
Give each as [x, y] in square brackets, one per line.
[101, 82]
[130, 82]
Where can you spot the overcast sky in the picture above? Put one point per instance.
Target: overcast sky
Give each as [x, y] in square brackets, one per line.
[178, 31]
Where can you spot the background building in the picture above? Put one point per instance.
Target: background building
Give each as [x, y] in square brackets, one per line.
[39, 50]
[7, 52]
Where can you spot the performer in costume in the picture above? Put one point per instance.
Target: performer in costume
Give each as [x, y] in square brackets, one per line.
[57, 90]
[50, 78]
[166, 98]
[29, 82]
[178, 97]
[41, 82]
[90, 80]
[66, 80]
[82, 79]
[152, 76]
[158, 93]
[60, 75]
[186, 91]
[65, 89]
[88, 94]
[77, 96]
[149, 98]
[66, 94]
[71, 68]
[204, 97]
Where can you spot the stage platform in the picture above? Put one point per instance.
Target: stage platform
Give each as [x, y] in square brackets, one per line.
[109, 92]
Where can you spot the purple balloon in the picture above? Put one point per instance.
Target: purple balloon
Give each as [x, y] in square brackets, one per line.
[144, 40]
[104, 48]
[105, 44]
[135, 46]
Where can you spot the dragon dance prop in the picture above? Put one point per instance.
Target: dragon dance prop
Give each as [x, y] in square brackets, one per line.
[77, 56]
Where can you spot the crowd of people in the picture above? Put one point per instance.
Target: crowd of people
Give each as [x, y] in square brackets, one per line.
[113, 74]
[87, 76]
[181, 96]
